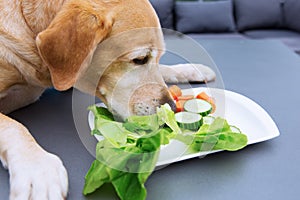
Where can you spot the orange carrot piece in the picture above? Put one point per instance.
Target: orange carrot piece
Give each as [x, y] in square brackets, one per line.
[212, 103]
[203, 96]
[179, 105]
[185, 97]
[175, 91]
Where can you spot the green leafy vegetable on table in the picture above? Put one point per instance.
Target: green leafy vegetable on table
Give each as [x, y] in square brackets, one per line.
[128, 154]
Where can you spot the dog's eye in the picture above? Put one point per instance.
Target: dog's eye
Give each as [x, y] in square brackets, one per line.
[141, 60]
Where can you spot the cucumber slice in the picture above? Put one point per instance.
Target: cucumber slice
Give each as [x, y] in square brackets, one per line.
[208, 119]
[198, 106]
[188, 120]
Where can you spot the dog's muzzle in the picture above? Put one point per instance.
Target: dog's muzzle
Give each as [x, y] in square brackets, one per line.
[147, 98]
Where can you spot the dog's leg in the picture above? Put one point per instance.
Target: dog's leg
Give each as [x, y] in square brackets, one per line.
[34, 173]
[183, 73]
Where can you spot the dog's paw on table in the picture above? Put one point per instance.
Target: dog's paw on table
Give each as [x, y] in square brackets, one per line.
[184, 73]
[40, 175]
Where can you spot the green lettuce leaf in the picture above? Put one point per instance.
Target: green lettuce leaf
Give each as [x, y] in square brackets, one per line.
[112, 131]
[218, 125]
[218, 136]
[99, 112]
[167, 116]
[231, 141]
[144, 124]
[126, 167]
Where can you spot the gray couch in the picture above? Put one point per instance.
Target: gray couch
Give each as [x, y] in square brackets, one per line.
[233, 19]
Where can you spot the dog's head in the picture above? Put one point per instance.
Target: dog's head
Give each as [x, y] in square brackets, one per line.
[110, 48]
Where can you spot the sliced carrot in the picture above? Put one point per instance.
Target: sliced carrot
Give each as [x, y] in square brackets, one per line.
[179, 105]
[212, 103]
[203, 96]
[185, 97]
[175, 91]
[207, 98]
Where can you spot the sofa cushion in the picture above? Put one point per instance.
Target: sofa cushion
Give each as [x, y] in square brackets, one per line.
[292, 14]
[204, 17]
[165, 12]
[255, 14]
[289, 38]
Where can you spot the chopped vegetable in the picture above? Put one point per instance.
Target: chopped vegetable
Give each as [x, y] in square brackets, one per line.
[175, 91]
[179, 105]
[167, 116]
[185, 97]
[198, 106]
[203, 95]
[188, 120]
[217, 136]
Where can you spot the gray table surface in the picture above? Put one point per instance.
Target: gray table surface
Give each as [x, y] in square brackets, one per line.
[265, 71]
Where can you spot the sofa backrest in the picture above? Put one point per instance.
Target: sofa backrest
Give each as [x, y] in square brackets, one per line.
[227, 15]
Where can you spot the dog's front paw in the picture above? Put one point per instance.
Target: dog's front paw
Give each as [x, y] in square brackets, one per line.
[184, 73]
[38, 176]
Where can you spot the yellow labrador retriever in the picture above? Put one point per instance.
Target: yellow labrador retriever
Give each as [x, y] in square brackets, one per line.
[63, 44]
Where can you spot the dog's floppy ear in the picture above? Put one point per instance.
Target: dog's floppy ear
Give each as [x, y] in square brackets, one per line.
[69, 42]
